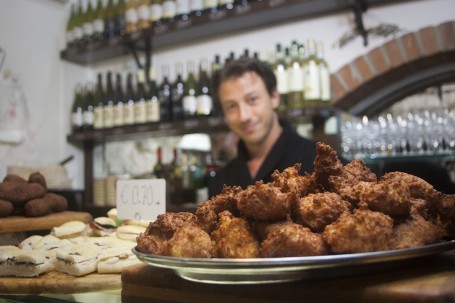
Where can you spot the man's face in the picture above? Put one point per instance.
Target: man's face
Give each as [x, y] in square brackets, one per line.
[248, 108]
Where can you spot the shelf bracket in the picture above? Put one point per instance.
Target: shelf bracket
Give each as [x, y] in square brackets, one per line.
[148, 52]
[360, 6]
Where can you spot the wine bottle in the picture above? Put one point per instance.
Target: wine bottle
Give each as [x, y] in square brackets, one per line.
[196, 6]
[87, 26]
[197, 171]
[204, 95]
[324, 72]
[130, 98]
[217, 66]
[280, 70]
[165, 96]
[143, 12]
[189, 101]
[108, 108]
[295, 79]
[152, 104]
[311, 75]
[156, 10]
[131, 16]
[120, 18]
[119, 98]
[176, 172]
[98, 22]
[78, 30]
[158, 168]
[77, 111]
[169, 9]
[141, 99]
[88, 107]
[70, 27]
[178, 91]
[98, 110]
[109, 20]
[182, 8]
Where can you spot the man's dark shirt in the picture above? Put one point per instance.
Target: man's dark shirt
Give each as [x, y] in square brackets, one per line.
[289, 149]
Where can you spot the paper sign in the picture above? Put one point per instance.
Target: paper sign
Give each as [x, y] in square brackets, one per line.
[143, 199]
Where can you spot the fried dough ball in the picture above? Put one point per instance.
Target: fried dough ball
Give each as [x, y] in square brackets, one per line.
[14, 178]
[294, 184]
[155, 237]
[362, 231]
[351, 174]
[37, 177]
[189, 241]
[316, 211]
[19, 193]
[207, 212]
[264, 202]
[415, 232]
[446, 206]
[353, 193]
[288, 239]
[419, 188]
[234, 238]
[326, 164]
[390, 197]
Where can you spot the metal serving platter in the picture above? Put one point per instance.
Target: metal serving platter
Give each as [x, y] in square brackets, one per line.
[276, 270]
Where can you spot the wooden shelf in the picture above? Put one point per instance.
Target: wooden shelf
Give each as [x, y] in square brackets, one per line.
[190, 126]
[210, 24]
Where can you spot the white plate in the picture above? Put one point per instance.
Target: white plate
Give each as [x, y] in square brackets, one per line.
[274, 270]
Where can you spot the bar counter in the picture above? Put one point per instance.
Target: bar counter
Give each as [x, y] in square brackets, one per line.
[426, 279]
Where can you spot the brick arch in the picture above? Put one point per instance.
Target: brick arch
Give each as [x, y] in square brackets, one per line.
[398, 68]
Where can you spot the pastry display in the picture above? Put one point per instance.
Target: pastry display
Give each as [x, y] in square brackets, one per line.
[74, 248]
[29, 197]
[338, 209]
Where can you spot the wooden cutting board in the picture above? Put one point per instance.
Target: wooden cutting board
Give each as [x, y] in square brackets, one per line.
[59, 283]
[21, 223]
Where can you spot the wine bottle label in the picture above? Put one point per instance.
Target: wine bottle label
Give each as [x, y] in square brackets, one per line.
[143, 12]
[169, 9]
[131, 16]
[77, 119]
[98, 117]
[312, 84]
[325, 83]
[88, 118]
[189, 104]
[140, 112]
[295, 78]
[204, 105]
[108, 116]
[156, 12]
[197, 5]
[152, 109]
[282, 79]
[128, 113]
[118, 115]
[88, 29]
[78, 33]
[98, 26]
[182, 7]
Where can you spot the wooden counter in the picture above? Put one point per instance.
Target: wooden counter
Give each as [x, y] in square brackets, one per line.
[21, 223]
[429, 279]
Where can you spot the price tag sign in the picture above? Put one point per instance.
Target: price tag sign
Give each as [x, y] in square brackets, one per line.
[141, 199]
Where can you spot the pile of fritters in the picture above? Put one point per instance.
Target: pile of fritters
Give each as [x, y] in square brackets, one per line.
[338, 209]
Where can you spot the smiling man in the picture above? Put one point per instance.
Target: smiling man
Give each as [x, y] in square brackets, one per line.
[249, 98]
